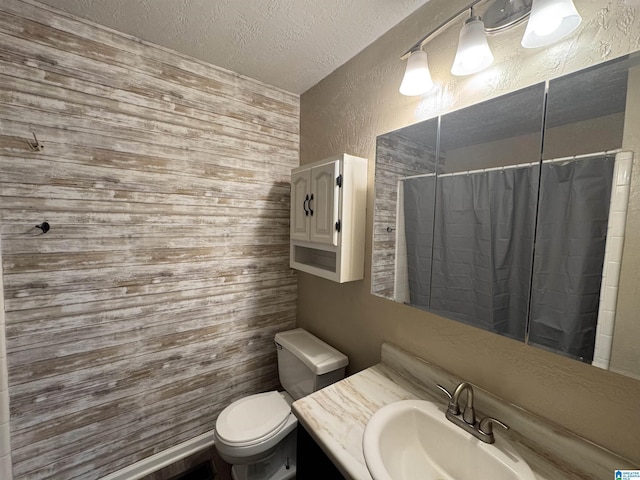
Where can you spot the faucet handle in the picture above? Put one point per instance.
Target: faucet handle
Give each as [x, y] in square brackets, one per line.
[451, 407]
[446, 392]
[486, 425]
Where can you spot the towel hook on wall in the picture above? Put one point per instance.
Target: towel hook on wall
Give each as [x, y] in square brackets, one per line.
[44, 226]
[36, 146]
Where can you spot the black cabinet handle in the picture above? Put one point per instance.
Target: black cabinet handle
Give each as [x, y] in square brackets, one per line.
[304, 205]
[310, 209]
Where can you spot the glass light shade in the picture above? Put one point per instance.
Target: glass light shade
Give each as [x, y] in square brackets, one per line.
[473, 52]
[417, 78]
[550, 21]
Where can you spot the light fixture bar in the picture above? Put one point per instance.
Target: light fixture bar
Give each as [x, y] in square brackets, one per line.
[437, 30]
[505, 14]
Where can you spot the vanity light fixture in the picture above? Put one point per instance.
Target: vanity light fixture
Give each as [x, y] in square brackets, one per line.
[417, 77]
[549, 21]
[473, 52]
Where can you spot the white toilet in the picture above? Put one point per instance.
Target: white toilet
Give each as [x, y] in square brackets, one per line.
[257, 434]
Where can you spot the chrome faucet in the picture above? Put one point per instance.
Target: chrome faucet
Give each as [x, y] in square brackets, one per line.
[482, 430]
[468, 414]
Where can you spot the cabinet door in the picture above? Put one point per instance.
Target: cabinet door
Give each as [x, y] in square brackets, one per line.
[324, 204]
[300, 214]
[312, 462]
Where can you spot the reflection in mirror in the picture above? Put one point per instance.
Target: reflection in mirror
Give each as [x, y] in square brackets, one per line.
[572, 304]
[486, 196]
[504, 131]
[409, 152]
[586, 110]
[570, 244]
[465, 237]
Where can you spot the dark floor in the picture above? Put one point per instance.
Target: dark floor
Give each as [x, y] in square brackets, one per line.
[202, 471]
[187, 467]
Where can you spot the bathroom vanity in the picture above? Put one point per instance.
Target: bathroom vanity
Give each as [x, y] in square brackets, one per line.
[336, 417]
[312, 462]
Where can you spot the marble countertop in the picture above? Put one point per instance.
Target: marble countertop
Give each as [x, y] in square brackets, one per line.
[336, 417]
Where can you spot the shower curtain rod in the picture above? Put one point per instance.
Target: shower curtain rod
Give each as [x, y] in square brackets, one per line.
[492, 169]
[419, 176]
[606, 153]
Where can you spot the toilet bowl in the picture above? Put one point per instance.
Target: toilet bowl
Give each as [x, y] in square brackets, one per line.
[250, 429]
[257, 434]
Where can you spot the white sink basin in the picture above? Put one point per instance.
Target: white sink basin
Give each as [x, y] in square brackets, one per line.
[412, 440]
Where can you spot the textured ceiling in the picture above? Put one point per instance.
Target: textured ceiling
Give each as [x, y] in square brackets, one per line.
[291, 44]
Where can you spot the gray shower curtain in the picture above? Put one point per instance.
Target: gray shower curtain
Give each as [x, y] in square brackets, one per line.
[484, 229]
[570, 246]
[419, 205]
[484, 271]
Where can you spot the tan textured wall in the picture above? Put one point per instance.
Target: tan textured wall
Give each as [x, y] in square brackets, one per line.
[348, 109]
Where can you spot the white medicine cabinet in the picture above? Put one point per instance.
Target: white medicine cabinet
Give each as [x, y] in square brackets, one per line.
[328, 212]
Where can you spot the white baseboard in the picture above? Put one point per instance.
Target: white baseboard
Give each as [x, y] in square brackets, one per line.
[162, 459]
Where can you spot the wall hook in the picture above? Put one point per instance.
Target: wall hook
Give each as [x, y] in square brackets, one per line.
[36, 146]
[44, 226]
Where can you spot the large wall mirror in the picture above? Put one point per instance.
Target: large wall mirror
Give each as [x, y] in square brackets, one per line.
[509, 215]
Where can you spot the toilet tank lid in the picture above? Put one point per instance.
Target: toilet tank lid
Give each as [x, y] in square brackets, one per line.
[320, 357]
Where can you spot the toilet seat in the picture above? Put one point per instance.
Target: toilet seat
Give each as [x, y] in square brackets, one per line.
[253, 419]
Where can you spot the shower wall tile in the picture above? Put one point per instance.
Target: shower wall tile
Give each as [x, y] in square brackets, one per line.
[623, 167]
[605, 322]
[613, 270]
[617, 220]
[610, 296]
[153, 300]
[614, 245]
[620, 198]
[612, 259]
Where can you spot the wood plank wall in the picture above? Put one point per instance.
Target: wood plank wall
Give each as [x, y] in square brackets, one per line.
[397, 157]
[153, 300]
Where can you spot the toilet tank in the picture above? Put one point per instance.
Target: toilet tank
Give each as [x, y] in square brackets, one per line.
[306, 363]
